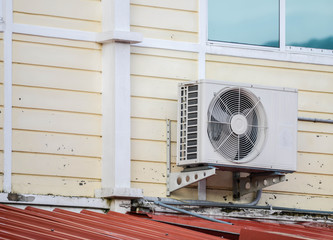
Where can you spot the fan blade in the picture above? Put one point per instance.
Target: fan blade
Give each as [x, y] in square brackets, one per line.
[220, 121]
[230, 147]
[220, 114]
[249, 116]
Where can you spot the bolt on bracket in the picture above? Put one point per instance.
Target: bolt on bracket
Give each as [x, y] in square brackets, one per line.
[188, 176]
[254, 182]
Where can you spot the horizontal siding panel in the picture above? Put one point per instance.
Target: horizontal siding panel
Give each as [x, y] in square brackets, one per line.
[271, 76]
[189, 5]
[315, 127]
[53, 165]
[192, 193]
[297, 201]
[57, 56]
[148, 172]
[154, 87]
[151, 151]
[74, 187]
[165, 34]
[1, 72]
[315, 163]
[1, 117]
[268, 63]
[29, 97]
[164, 18]
[151, 189]
[56, 41]
[55, 143]
[59, 78]
[163, 67]
[1, 52]
[317, 102]
[2, 95]
[57, 22]
[306, 184]
[1, 139]
[1, 162]
[148, 150]
[315, 142]
[215, 195]
[151, 129]
[153, 108]
[89, 10]
[164, 53]
[54, 121]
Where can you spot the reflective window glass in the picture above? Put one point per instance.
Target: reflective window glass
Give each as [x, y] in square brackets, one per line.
[309, 23]
[254, 22]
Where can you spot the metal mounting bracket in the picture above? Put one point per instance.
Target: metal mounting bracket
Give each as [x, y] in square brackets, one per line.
[254, 182]
[186, 177]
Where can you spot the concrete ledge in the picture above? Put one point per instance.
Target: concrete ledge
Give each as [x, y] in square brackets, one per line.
[119, 36]
[55, 201]
[123, 193]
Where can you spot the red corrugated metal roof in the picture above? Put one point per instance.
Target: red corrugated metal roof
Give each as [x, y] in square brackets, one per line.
[249, 229]
[34, 223]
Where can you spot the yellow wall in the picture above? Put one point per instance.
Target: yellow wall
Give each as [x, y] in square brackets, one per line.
[1, 110]
[154, 79]
[56, 116]
[311, 186]
[57, 85]
[155, 75]
[82, 15]
[169, 20]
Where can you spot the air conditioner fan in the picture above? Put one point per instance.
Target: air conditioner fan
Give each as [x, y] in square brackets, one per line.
[237, 124]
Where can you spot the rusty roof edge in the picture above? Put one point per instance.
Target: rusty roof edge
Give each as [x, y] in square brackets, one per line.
[54, 201]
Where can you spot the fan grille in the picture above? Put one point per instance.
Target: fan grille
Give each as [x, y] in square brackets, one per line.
[237, 124]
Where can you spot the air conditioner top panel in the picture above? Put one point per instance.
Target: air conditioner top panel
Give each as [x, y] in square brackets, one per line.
[245, 85]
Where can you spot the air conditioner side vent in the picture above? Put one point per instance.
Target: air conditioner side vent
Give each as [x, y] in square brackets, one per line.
[188, 137]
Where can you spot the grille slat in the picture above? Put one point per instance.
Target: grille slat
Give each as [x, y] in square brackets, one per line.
[188, 122]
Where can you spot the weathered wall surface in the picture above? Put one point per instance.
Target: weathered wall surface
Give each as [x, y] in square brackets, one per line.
[155, 75]
[1, 111]
[310, 187]
[56, 101]
[56, 116]
[168, 20]
[57, 86]
[82, 15]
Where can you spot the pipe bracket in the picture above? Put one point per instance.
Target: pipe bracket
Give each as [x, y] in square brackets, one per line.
[254, 182]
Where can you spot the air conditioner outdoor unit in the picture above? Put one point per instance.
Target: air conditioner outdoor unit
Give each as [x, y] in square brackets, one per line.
[237, 126]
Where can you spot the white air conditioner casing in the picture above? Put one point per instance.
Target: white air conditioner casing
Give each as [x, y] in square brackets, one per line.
[237, 126]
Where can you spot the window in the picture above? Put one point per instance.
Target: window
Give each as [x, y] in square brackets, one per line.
[239, 21]
[308, 23]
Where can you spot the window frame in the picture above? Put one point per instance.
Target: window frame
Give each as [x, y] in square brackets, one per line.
[283, 48]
